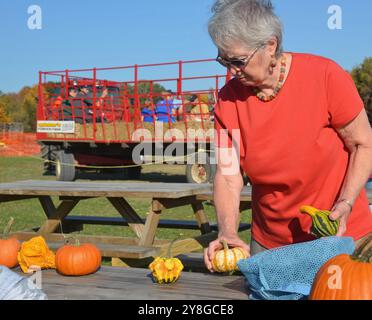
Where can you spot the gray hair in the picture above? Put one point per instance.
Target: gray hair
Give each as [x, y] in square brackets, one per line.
[248, 22]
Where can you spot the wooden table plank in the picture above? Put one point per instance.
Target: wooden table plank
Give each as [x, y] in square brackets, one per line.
[136, 284]
[118, 251]
[102, 189]
[246, 194]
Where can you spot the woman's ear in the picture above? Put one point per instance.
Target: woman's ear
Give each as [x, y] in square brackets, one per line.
[272, 46]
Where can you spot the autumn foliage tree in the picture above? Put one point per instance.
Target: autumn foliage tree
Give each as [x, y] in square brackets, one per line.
[20, 107]
[3, 116]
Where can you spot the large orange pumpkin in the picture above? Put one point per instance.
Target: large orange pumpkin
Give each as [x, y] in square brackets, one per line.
[9, 248]
[346, 277]
[78, 259]
[226, 259]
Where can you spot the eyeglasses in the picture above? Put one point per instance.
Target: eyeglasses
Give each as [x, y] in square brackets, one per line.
[237, 63]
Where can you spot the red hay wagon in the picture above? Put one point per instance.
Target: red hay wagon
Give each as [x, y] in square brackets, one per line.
[123, 116]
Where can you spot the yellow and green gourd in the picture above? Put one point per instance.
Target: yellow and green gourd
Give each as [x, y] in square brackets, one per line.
[166, 270]
[322, 226]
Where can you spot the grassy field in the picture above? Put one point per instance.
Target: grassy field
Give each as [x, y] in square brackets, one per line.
[29, 214]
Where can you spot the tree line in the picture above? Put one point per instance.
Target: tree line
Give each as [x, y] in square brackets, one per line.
[21, 107]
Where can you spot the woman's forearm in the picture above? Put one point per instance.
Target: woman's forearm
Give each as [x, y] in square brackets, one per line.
[359, 170]
[227, 191]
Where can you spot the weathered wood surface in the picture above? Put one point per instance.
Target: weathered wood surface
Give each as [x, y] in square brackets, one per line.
[136, 284]
[117, 251]
[246, 195]
[56, 237]
[102, 189]
[32, 188]
[116, 247]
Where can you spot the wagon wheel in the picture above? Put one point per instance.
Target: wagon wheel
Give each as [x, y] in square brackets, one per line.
[65, 166]
[200, 173]
[49, 152]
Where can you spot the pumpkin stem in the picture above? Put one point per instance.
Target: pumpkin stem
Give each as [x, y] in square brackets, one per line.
[359, 255]
[309, 210]
[225, 245]
[67, 238]
[7, 228]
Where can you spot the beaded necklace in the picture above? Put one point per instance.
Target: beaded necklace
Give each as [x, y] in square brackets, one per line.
[260, 95]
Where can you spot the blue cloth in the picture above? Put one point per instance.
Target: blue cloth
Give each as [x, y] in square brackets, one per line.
[15, 287]
[287, 273]
[164, 109]
[147, 115]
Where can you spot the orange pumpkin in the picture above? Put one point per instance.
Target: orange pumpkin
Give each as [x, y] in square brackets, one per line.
[226, 260]
[9, 248]
[78, 259]
[346, 277]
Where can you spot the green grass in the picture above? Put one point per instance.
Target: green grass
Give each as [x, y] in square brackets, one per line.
[29, 214]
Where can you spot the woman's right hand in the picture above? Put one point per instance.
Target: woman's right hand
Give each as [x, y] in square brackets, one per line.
[214, 246]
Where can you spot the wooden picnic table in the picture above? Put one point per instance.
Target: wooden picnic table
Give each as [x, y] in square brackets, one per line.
[136, 284]
[163, 196]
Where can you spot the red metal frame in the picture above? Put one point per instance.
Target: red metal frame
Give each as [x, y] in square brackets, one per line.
[125, 107]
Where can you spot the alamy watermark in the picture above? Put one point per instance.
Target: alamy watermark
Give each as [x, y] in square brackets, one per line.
[227, 155]
[335, 280]
[34, 282]
[35, 19]
[335, 19]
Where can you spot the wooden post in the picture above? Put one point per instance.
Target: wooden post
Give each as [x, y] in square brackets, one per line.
[201, 217]
[57, 216]
[151, 224]
[128, 213]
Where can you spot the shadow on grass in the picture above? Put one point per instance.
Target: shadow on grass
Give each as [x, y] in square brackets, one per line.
[146, 177]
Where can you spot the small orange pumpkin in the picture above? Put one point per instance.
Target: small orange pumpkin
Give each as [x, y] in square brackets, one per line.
[78, 259]
[346, 277]
[9, 248]
[226, 259]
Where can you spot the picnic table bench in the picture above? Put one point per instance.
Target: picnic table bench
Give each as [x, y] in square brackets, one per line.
[163, 196]
[136, 284]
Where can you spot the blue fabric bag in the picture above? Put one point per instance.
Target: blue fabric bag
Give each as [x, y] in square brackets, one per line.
[15, 287]
[287, 273]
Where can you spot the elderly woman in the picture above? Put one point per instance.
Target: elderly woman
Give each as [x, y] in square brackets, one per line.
[295, 124]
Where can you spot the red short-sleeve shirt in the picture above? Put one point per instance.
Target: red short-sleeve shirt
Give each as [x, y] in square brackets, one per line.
[290, 150]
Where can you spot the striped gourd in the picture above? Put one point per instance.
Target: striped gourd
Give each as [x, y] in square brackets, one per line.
[322, 226]
[225, 260]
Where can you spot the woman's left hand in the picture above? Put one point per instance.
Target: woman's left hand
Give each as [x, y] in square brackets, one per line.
[341, 211]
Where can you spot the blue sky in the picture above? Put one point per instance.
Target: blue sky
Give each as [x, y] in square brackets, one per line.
[85, 34]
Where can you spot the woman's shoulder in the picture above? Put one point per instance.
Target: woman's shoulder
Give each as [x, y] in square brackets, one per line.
[312, 61]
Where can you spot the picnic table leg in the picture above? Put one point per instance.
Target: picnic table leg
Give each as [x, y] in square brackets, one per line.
[151, 224]
[201, 217]
[128, 213]
[56, 215]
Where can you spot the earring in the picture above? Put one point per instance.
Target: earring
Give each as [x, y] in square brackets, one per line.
[273, 64]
